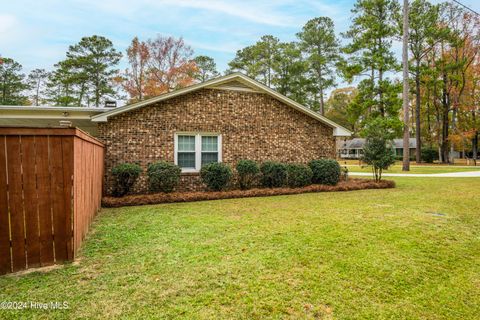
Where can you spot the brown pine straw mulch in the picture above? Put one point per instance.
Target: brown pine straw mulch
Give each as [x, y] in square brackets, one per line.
[156, 198]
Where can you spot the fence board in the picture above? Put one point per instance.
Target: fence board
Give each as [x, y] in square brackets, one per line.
[68, 170]
[44, 201]
[58, 204]
[5, 258]
[14, 176]
[30, 201]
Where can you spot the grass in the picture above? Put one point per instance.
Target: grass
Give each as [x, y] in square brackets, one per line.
[413, 169]
[406, 253]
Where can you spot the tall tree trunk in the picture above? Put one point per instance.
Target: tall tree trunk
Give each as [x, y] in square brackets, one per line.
[36, 92]
[80, 96]
[322, 103]
[418, 139]
[445, 120]
[380, 92]
[320, 88]
[475, 147]
[406, 114]
[453, 125]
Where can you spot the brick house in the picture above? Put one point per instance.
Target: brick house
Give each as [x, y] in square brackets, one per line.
[225, 119]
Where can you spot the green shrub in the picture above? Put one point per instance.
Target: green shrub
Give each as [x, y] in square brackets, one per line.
[325, 171]
[125, 175]
[429, 155]
[274, 174]
[299, 175]
[378, 153]
[247, 173]
[163, 176]
[216, 175]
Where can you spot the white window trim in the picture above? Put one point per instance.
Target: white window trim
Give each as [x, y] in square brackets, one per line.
[198, 148]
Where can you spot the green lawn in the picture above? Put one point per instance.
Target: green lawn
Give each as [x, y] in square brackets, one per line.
[406, 253]
[414, 169]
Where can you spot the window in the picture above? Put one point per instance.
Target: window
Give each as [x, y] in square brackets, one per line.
[192, 151]
[209, 149]
[186, 152]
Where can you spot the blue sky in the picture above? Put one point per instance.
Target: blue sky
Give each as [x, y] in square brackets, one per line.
[38, 33]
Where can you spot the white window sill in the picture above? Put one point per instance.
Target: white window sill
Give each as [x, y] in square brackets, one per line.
[190, 171]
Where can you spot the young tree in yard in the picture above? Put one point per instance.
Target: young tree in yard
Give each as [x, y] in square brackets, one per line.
[170, 65]
[378, 153]
[93, 60]
[37, 80]
[378, 150]
[206, 68]
[135, 78]
[11, 83]
[321, 48]
[370, 55]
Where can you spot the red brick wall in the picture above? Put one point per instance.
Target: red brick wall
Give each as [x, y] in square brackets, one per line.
[253, 126]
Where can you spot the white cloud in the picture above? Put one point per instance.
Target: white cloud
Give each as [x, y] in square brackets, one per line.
[243, 10]
[9, 27]
[261, 12]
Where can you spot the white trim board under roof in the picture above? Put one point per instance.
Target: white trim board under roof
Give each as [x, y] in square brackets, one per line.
[224, 82]
[49, 116]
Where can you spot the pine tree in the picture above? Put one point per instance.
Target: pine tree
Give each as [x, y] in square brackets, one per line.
[371, 57]
[258, 61]
[206, 68]
[36, 80]
[93, 60]
[12, 83]
[321, 48]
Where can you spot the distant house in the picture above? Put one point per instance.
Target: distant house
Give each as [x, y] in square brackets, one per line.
[353, 149]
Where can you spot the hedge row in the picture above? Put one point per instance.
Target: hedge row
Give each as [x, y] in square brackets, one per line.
[164, 176]
[155, 198]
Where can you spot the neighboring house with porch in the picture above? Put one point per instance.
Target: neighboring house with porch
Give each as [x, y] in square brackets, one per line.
[353, 148]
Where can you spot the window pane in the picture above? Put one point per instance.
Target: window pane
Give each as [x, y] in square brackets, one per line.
[210, 143]
[186, 143]
[208, 157]
[186, 160]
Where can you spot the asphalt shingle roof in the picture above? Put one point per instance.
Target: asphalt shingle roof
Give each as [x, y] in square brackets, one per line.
[357, 143]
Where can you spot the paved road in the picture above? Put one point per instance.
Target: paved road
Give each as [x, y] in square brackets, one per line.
[466, 174]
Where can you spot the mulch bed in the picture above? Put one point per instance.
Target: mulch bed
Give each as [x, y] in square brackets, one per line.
[156, 198]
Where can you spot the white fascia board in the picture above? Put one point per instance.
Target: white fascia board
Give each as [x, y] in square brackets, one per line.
[341, 132]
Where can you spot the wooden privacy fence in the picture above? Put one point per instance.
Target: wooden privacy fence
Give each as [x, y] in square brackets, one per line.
[50, 190]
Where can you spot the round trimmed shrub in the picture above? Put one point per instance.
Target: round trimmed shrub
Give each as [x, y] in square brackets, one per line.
[125, 174]
[325, 171]
[429, 155]
[216, 175]
[274, 174]
[163, 176]
[299, 175]
[247, 173]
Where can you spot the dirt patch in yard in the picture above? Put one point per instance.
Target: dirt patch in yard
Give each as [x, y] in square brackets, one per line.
[156, 198]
